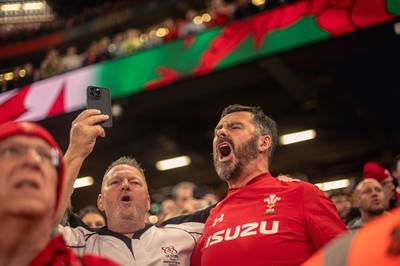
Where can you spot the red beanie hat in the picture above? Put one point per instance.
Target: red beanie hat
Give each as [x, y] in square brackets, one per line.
[375, 171]
[13, 128]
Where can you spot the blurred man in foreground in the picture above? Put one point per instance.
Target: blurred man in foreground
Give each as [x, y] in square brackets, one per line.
[31, 182]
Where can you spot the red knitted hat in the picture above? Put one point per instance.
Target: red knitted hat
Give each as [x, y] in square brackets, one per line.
[375, 171]
[13, 128]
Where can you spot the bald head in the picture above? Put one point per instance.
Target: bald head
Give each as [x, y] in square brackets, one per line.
[364, 183]
[369, 198]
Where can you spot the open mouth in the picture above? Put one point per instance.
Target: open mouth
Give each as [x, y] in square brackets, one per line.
[126, 198]
[224, 150]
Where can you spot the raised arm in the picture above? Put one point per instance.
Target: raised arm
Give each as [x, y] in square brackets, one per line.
[83, 134]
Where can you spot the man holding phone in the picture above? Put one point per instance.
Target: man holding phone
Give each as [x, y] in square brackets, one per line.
[124, 198]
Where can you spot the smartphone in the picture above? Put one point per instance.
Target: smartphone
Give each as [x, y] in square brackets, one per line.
[100, 98]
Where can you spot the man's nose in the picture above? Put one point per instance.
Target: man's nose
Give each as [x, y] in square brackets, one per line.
[125, 185]
[221, 132]
[375, 192]
[32, 155]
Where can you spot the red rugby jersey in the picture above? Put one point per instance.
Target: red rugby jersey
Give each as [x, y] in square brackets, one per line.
[268, 222]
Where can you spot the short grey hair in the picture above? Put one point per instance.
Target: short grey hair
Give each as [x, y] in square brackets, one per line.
[263, 123]
[128, 160]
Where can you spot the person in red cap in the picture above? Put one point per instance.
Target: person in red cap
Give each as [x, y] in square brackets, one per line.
[31, 182]
[375, 171]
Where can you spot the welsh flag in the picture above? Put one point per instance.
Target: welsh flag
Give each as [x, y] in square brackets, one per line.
[294, 25]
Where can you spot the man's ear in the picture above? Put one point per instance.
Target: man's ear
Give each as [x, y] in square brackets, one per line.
[100, 203]
[264, 142]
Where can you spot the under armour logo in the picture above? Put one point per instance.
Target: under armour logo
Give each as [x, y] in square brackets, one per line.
[218, 219]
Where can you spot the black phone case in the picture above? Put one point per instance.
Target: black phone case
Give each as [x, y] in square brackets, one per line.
[100, 98]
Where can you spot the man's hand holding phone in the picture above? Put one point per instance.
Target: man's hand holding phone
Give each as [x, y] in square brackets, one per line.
[100, 98]
[84, 132]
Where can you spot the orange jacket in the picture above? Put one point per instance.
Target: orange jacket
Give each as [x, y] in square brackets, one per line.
[377, 243]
